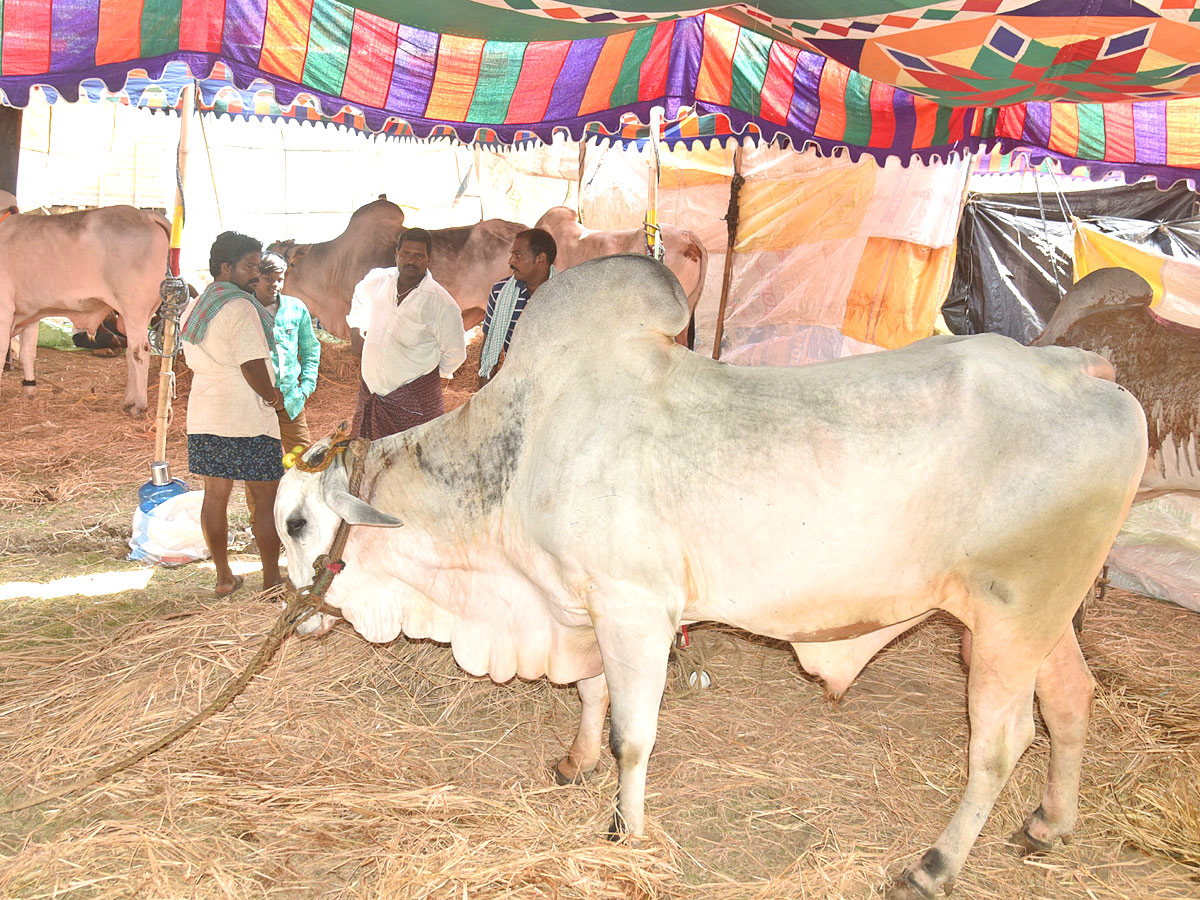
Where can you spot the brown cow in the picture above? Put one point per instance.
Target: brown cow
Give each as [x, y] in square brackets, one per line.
[685, 255]
[1157, 361]
[83, 265]
[466, 261]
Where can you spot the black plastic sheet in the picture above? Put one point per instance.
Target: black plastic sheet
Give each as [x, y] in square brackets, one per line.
[1015, 250]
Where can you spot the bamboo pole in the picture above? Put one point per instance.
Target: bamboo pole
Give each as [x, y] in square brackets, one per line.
[158, 468]
[653, 234]
[731, 228]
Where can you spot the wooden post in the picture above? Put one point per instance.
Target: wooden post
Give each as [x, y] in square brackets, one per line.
[582, 172]
[731, 227]
[171, 324]
[653, 234]
[10, 148]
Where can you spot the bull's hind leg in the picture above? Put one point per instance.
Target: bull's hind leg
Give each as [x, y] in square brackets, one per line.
[1064, 691]
[584, 755]
[635, 645]
[1000, 690]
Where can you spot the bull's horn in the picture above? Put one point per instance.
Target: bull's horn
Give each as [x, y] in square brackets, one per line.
[357, 512]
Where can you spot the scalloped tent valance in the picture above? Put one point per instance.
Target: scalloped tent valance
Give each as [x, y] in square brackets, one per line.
[742, 71]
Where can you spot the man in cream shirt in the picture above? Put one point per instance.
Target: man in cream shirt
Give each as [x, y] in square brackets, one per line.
[409, 331]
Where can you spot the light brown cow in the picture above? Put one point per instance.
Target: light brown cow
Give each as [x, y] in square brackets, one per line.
[685, 255]
[466, 261]
[1157, 361]
[83, 265]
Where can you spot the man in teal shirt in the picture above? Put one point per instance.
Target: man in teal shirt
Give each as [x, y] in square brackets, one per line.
[297, 353]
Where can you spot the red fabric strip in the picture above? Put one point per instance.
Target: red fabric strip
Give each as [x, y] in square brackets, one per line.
[372, 58]
[201, 24]
[883, 115]
[540, 66]
[652, 79]
[926, 112]
[1118, 133]
[26, 37]
[780, 83]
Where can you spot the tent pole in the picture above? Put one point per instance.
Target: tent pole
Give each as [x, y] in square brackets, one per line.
[654, 246]
[582, 172]
[166, 375]
[731, 227]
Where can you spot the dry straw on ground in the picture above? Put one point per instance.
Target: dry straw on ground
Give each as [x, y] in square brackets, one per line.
[348, 770]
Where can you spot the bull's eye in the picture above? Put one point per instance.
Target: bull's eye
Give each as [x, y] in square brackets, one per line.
[295, 525]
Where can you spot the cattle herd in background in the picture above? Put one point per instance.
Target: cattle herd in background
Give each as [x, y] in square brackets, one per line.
[83, 264]
[116, 257]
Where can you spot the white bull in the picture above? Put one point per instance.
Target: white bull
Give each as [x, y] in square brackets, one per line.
[610, 485]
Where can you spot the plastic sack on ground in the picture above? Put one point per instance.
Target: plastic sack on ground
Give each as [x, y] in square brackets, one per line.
[169, 533]
[1157, 552]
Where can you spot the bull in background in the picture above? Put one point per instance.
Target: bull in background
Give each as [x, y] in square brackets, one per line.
[1158, 361]
[608, 486]
[83, 265]
[465, 260]
[684, 253]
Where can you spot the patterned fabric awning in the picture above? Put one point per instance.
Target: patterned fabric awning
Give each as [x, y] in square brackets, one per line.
[898, 80]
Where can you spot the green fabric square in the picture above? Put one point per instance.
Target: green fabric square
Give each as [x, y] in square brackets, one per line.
[1038, 55]
[328, 46]
[160, 26]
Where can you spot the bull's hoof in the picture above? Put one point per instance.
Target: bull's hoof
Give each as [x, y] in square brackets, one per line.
[562, 770]
[906, 888]
[1027, 844]
[616, 828]
[135, 410]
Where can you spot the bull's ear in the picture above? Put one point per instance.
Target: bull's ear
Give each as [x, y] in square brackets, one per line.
[358, 512]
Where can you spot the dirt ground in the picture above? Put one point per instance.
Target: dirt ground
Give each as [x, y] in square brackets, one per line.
[348, 770]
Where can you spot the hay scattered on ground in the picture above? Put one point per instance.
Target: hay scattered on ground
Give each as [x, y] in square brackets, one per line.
[349, 770]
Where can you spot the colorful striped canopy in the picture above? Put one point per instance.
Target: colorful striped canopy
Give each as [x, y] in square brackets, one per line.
[743, 69]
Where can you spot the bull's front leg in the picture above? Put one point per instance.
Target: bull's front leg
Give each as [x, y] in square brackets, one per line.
[584, 755]
[635, 645]
[29, 342]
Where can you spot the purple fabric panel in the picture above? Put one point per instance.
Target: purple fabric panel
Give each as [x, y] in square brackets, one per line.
[906, 118]
[573, 78]
[806, 104]
[1037, 124]
[74, 30]
[412, 73]
[1150, 132]
[683, 67]
[245, 21]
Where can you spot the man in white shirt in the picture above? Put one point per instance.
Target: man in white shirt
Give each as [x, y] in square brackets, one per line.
[409, 331]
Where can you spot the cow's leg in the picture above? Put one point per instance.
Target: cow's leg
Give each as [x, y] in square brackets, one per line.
[1000, 689]
[6, 320]
[584, 755]
[29, 342]
[635, 644]
[1064, 690]
[137, 361]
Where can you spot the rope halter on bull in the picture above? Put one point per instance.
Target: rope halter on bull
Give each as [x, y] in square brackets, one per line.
[330, 563]
[299, 606]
